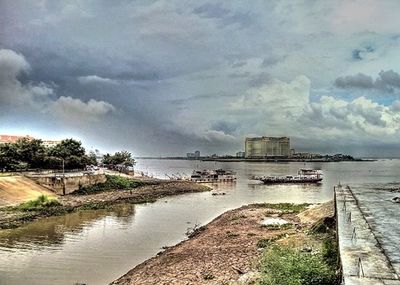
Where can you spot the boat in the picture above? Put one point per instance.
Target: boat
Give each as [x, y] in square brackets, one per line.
[303, 176]
[213, 176]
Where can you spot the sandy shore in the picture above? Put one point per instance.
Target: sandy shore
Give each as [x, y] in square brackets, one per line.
[227, 250]
[69, 203]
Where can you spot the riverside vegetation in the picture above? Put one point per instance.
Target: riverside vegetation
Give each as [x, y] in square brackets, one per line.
[69, 154]
[116, 190]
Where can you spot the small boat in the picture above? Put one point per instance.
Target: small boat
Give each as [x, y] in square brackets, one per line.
[303, 176]
[213, 176]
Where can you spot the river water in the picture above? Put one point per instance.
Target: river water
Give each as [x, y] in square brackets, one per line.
[96, 247]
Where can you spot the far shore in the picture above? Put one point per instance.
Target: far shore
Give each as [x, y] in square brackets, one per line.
[273, 160]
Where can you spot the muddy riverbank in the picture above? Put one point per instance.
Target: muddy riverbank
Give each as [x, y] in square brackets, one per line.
[228, 249]
[10, 217]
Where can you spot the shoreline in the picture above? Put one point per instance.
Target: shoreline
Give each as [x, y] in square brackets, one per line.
[273, 160]
[228, 249]
[154, 190]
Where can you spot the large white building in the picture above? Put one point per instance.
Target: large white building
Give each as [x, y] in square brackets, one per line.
[260, 147]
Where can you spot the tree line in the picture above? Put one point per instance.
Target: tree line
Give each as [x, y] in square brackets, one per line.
[69, 153]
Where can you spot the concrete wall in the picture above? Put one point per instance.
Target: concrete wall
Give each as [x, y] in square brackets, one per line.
[363, 259]
[72, 183]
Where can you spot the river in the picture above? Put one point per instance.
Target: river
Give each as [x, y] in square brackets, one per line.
[96, 247]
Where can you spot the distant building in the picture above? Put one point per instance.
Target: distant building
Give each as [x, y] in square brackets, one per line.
[240, 154]
[193, 155]
[306, 155]
[49, 143]
[12, 139]
[267, 146]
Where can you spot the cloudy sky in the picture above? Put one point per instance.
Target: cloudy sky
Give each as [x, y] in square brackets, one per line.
[168, 77]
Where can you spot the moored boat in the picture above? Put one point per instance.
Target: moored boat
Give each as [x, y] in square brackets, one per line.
[304, 176]
[213, 176]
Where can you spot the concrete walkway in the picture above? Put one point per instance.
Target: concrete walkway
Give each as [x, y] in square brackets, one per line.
[369, 235]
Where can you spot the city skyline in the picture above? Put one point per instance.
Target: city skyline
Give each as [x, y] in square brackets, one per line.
[170, 77]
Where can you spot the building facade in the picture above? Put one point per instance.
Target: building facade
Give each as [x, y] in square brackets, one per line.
[260, 147]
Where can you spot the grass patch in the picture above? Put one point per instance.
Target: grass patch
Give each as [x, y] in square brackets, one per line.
[287, 207]
[265, 242]
[231, 234]
[284, 265]
[208, 276]
[237, 217]
[113, 182]
[41, 203]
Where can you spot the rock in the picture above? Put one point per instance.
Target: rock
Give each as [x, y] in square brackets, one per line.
[307, 249]
[396, 200]
[248, 278]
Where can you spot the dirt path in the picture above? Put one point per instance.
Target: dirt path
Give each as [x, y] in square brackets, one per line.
[17, 189]
[223, 251]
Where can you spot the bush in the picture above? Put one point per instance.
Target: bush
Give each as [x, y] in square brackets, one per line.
[42, 202]
[286, 266]
[113, 182]
[287, 207]
[330, 251]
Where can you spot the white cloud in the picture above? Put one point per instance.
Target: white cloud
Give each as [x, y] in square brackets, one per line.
[95, 79]
[77, 110]
[12, 91]
[11, 65]
[38, 96]
[361, 118]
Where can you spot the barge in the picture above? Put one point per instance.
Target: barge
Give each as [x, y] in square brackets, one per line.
[303, 176]
[213, 176]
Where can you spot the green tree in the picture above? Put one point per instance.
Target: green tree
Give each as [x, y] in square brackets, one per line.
[107, 159]
[122, 157]
[71, 152]
[8, 156]
[92, 158]
[31, 152]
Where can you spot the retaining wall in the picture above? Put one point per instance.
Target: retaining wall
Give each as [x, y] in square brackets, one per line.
[70, 183]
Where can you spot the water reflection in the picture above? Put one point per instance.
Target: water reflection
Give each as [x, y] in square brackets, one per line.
[51, 231]
[96, 247]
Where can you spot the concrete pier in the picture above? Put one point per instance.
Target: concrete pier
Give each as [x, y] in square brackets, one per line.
[368, 227]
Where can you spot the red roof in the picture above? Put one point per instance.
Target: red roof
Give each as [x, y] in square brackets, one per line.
[12, 139]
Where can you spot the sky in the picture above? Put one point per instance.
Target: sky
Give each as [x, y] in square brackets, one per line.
[170, 77]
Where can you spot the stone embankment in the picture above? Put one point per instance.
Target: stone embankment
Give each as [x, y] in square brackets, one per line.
[228, 249]
[15, 189]
[368, 234]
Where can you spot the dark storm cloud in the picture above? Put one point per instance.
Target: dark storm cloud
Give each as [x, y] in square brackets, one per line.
[225, 16]
[359, 80]
[165, 77]
[387, 81]
[211, 10]
[225, 126]
[362, 53]
[259, 80]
